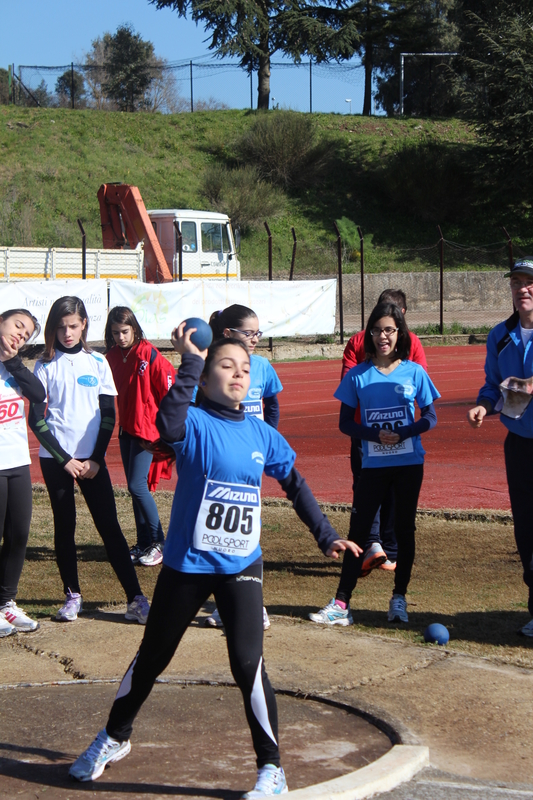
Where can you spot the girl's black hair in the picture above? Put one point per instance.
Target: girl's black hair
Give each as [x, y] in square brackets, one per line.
[211, 353]
[63, 307]
[12, 311]
[403, 345]
[230, 317]
[121, 315]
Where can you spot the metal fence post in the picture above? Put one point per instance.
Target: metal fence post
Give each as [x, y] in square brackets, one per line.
[83, 251]
[441, 253]
[509, 248]
[293, 259]
[339, 264]
[362, 251]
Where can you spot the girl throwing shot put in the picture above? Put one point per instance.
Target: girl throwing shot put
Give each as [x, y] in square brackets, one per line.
[142, 377]
[17, 326]
[213, 546]
[74, 425]
[240, 322]
[385, 388]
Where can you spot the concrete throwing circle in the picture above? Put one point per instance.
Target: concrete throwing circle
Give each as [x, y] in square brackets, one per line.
[189, 740]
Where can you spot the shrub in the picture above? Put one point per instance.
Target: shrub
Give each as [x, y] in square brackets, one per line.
[242, 195]
[283, 147]
[429, 180]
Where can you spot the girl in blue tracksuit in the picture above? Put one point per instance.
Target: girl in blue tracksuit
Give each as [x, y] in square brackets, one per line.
[385, 388]
[240, 322]
[213, 546]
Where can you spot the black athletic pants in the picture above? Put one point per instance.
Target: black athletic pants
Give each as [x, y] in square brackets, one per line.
[98, 494]
[370, 492]
[382, 530]
[177, 598]
[519, 465]
[15, 519]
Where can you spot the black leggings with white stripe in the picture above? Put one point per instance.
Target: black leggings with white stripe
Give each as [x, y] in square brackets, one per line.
[177, 598]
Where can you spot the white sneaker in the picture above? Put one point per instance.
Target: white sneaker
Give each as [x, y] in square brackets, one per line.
[6, 628]
[152, 556]
[398, 609]
[527, 630]
[71, 608]
[332, 614]
[270, 781]
[138, 609]
[16, 616]
[102, 752]
[266, 621]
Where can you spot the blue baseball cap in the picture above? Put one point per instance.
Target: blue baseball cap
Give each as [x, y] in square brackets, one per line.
[524, 265]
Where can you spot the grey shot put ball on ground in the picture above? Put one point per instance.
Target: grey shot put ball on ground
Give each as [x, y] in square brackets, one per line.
[203, 336]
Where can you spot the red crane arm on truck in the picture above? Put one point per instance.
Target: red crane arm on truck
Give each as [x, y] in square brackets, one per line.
[125, 220]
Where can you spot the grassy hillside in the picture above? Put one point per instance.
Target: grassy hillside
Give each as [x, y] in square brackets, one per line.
[53, 161]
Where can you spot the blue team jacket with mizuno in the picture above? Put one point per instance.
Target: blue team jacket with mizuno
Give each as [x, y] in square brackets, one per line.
[220, 464]
[388, 401]
[507, 357]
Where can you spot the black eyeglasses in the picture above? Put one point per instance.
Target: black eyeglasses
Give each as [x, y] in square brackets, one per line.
[387, 331]
[248, 334]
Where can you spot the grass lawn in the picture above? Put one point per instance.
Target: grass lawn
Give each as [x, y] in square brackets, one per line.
[467, 575]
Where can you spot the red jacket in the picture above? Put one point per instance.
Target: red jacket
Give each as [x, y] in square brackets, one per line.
[142, 380]
[354, 352]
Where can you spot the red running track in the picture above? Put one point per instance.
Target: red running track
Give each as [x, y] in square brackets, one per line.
[464, 469]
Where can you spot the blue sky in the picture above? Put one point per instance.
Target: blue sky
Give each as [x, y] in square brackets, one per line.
[56, 32]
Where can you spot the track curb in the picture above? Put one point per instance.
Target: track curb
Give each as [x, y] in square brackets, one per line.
[397, 766]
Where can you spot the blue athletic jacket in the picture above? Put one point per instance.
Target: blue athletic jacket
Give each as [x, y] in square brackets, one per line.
[507, 357]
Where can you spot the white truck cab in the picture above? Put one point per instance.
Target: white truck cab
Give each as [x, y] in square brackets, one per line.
[208, 245]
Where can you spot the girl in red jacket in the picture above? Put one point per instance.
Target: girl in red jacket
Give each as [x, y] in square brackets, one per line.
[142, 377]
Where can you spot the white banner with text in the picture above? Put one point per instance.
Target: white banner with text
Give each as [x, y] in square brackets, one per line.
[284, 308]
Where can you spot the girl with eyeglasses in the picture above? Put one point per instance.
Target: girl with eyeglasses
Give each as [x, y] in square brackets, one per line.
[241, 323]
[384, 388]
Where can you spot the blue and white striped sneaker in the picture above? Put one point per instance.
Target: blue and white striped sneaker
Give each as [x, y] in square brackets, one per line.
[270, 781]
[102, 752]
[332, 614]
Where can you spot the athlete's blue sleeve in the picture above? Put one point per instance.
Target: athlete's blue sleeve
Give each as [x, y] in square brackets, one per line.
[426, 391]
[172, 415]
[271, 411]
[490, 391]
[307, 508]
[354, 429]
[346, 392]
[427, 421]
[273, 384]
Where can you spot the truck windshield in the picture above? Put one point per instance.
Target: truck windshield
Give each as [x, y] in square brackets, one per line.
[215, 238]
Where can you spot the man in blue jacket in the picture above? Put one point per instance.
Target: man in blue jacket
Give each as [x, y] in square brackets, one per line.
[510, 354]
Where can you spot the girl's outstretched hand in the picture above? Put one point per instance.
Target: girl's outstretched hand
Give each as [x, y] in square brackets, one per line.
[340, 545]
[181, 342]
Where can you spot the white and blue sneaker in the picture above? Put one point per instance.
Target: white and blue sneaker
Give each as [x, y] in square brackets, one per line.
[102, 752]
[270, 781]
[527, 630]
[398, 609]
[332, 614]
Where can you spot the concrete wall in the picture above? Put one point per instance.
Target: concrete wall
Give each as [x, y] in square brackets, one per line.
[463, 291]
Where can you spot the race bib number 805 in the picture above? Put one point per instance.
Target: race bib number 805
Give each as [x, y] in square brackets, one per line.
[229, 519]
[388, 419]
